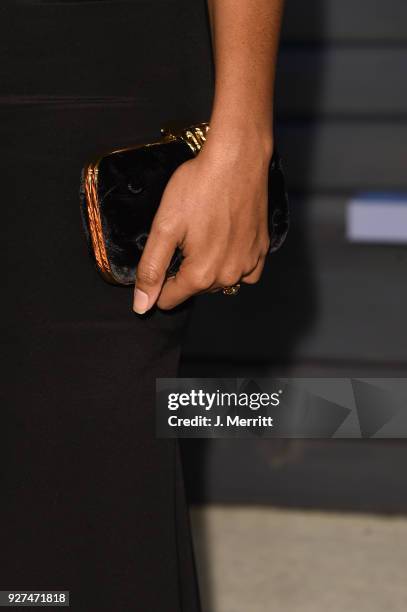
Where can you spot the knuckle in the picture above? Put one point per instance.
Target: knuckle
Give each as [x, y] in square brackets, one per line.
[229, 277]
[148, 274]
[202, 279]
[252, 265]
[163, 227]
[253, 278]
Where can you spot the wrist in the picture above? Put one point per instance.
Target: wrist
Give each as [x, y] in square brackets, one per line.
[241, 130]
[235, 138]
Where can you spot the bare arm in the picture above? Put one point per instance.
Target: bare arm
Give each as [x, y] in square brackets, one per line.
[245, 36]
[215, 206]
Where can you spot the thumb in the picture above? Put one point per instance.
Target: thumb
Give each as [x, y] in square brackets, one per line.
[152, 268]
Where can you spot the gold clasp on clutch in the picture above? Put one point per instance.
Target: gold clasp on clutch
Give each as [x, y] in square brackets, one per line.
[194, 136]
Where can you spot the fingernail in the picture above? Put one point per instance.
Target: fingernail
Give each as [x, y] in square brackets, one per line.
[140, 304]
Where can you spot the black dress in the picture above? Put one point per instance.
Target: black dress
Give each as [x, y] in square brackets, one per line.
[90, 500]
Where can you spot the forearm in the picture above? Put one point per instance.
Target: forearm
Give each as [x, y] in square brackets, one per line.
[245, 35]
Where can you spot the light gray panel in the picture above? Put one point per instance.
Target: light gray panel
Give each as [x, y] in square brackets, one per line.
[342, 80]
[340, 20]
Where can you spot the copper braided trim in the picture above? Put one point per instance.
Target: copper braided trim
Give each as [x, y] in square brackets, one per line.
[95, 222]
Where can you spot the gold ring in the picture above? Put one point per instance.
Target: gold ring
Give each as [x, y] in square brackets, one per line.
[232, 290]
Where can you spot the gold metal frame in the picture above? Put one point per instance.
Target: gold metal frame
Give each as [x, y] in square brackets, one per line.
[193, 136]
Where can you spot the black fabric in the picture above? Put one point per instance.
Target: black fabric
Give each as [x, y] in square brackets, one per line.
[90, 500]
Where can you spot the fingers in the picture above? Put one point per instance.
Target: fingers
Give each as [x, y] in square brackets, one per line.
[191, 280]
[151, 270]
[254, 276]
[188, 281]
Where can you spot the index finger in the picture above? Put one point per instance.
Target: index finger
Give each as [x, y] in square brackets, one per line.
[186, 283]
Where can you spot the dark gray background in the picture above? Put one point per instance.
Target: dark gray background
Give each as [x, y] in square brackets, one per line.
[324, 307]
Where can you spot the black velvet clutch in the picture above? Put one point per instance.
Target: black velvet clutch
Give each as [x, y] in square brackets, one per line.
[121, 191]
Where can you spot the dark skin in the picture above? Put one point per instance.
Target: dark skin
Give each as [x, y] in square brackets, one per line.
[215, 206]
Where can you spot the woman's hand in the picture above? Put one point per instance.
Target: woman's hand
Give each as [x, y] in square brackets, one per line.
[214, 209]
